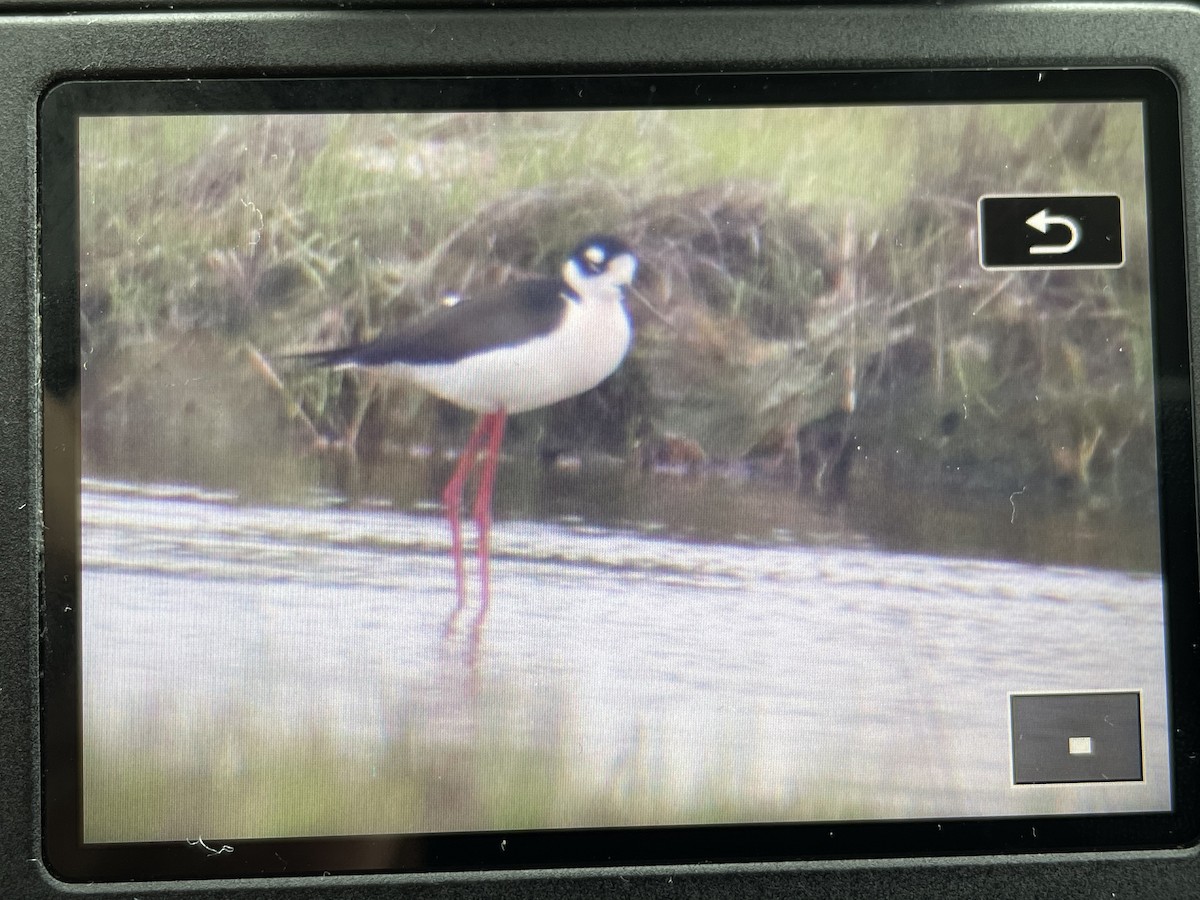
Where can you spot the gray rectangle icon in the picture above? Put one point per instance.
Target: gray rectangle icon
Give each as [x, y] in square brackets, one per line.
[1076, 738]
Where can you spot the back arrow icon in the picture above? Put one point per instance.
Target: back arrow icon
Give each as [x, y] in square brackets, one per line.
[1042, 222]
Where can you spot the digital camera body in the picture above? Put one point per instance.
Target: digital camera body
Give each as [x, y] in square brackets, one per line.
[79, 82]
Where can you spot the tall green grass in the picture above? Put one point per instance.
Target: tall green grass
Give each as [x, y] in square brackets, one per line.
[291, 232]
[234, 776]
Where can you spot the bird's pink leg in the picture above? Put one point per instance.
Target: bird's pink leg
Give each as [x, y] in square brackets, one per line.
[483, 503]
[452, 500]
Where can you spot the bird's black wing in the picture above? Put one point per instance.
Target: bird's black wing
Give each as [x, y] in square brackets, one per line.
[503, 317]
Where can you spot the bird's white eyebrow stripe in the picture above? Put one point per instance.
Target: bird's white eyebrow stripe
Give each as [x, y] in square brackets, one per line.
[594, 254]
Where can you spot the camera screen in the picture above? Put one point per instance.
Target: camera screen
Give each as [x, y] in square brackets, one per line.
[516, 470]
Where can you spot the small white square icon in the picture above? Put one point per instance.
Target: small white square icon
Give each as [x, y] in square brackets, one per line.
[1079, 746]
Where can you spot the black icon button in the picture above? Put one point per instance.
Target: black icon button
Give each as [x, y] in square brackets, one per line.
[1050, 232]
[1073, 738]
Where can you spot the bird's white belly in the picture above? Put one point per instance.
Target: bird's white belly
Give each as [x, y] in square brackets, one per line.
[586, 348]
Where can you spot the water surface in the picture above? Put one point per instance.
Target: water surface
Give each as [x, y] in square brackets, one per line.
[773, 668]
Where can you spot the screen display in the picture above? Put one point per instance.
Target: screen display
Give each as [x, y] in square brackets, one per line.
[516, 469]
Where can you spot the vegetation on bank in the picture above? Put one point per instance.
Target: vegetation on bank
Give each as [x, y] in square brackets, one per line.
[827, 318]
[493, 765]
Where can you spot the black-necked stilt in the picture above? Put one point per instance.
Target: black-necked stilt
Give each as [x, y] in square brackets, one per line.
[519, 347]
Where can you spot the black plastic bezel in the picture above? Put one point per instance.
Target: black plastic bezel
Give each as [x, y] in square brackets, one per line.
[62, 106]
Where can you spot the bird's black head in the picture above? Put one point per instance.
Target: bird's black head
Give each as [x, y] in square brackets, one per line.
[596, 254]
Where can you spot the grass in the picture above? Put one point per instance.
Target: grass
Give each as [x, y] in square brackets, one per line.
[237, 771]
[783, 244]
[232, 777]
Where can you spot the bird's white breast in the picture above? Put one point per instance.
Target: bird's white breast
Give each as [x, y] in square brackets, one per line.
[587, 346]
